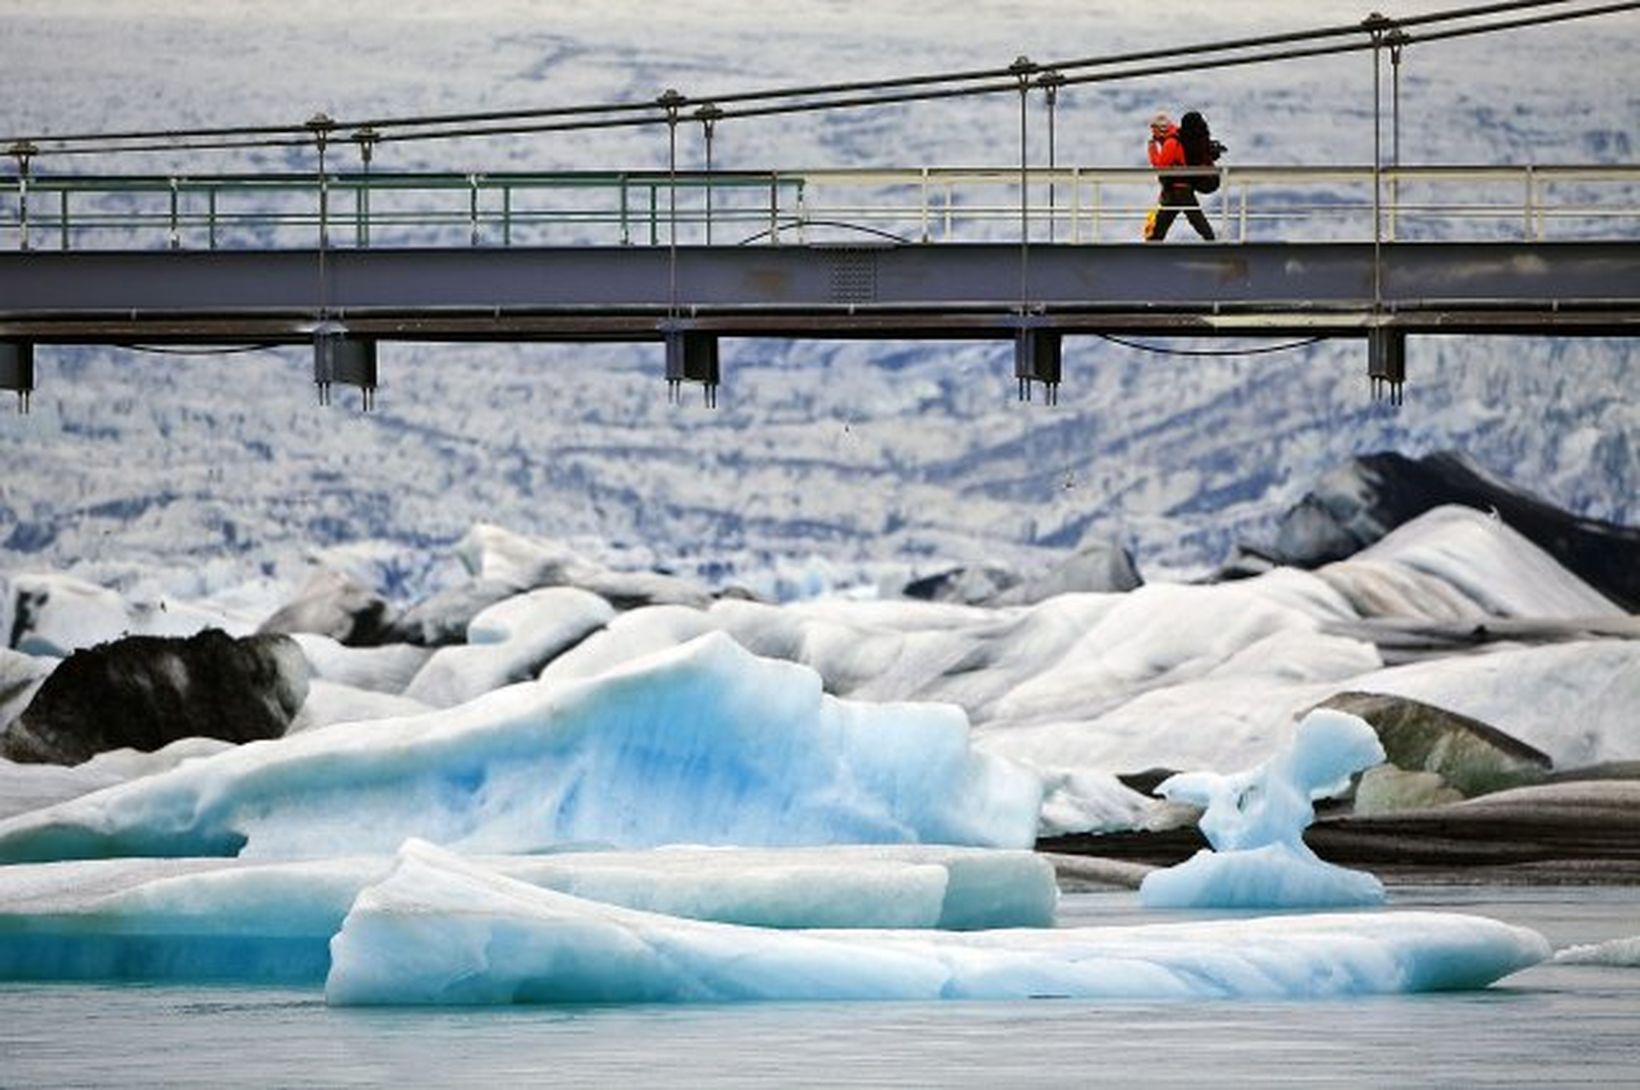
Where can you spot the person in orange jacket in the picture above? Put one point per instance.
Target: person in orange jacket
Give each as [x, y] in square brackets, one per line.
[1178, 194]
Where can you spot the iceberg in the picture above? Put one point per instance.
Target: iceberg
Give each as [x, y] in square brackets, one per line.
[702, 744]
[509, 641]
[224, 919]
[442, 930]
[1255, 821]
[1614, 953]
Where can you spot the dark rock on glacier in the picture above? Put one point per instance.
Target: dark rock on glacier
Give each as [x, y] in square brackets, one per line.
[1469, 755]
[1606, 770]
[145, 692]
[1355, 505]
[335, 605]
[1583, 832]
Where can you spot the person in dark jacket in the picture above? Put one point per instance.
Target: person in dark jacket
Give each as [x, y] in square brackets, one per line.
[1167, 149]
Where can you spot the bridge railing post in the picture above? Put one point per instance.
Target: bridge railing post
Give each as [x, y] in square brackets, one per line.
[1076, 205]
[174, 236]
[22, 151]
[774, 208]
[1532, 227]
[626, 221]
[923, 210]
[1224, 203]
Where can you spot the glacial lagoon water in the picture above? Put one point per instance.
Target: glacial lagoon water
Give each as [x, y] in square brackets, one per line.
[1553, 1025]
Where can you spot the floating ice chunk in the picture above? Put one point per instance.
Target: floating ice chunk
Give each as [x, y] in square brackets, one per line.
[509, 641]
[329, 704]
[1620, 953]
[26, 787]
[496, 554]
[220, 919]
[1255, 821]
[1274, 876]
[59, 614]
[442, 930]
[1083, 800]
[385, 669]
[631, 636]
[1271, 804]
[703, 744]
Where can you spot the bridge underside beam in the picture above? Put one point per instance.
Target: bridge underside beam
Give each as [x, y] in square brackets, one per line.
[143, 328]
[945, 291]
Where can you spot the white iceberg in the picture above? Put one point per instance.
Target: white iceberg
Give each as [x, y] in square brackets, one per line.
[440, 930]
[508, 642]
[1255, 821]
[702, 744]
[55, 614]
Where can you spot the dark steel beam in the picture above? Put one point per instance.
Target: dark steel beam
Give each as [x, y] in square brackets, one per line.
[892, 291]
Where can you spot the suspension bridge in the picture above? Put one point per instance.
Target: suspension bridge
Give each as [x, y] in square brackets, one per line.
[1027, 253]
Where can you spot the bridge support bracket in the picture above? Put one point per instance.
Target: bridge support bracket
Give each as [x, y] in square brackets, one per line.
[691, 356]
[1387, 363]
[338, 357]
[17, 370]
[1038, 357]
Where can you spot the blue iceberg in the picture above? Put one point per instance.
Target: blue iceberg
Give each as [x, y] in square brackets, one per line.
[442, 930]
[226, 919]
[1255, 821]
[700, 744]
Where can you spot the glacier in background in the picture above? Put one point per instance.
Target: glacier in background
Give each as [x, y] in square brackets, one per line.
[825, 464]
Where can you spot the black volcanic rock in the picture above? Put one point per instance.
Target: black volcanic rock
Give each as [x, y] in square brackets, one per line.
[1355, 505]
[148, 691]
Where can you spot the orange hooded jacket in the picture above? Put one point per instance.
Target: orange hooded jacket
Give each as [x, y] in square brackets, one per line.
[1167, 152]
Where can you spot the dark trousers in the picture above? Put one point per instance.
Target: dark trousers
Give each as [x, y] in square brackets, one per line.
[1176, 199]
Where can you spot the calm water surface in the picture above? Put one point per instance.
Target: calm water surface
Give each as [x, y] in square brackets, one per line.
[1549, 1026]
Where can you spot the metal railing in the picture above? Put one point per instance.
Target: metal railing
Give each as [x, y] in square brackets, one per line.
[920, 205]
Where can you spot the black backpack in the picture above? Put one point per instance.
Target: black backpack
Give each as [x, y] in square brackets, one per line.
[1200, 150]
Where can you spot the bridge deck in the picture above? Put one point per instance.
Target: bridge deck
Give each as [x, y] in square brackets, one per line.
[952, 290]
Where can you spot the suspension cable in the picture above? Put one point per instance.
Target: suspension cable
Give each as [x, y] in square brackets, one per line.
[1162, 350]
[838, 95]
[226, 350]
